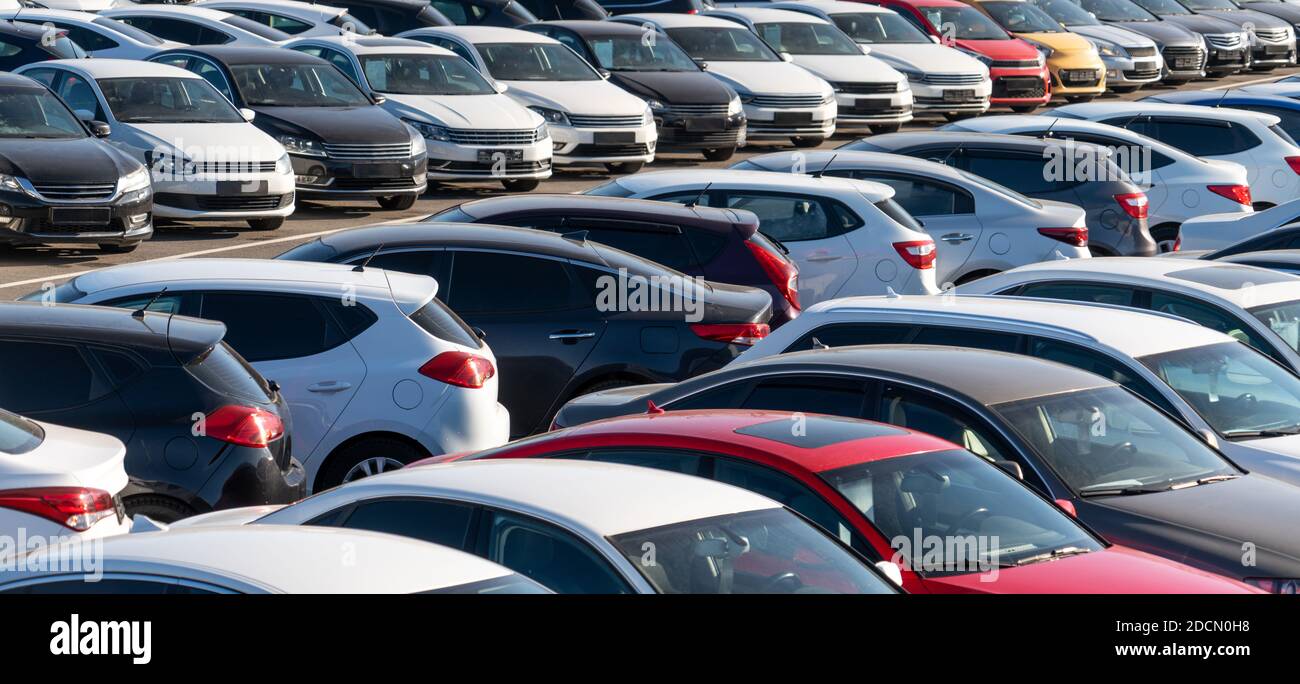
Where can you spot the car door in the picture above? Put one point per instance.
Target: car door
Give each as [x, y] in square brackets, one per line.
[539, 320]
[555, 558]
[65, 383]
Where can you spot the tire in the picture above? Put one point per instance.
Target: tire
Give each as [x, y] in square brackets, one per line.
[720, 154]
[266, 223]
[160, 508]
[1165, 235]
[397, 202]
[117, 249]
[624, 167]
[881, 129]
[807, 142]
[381, 453]
[1024, 109]
[520, 184]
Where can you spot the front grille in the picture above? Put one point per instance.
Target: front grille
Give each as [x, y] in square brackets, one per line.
[610, 150]
[214, 167]
[1142, 74]
[697, 109]
[76, 191]
[366, 152]
[1141, 51]
[677, 136]
[866, 88]
[462, 136]
[940, 102]
[953, 79]
[1079, 78]
[1018, 87]
[1274, 35]
[590, 121]
[1225, 41]
[1016, 63]
[363, 184]
[215, 203]
[489, 168]
[1176, 52]
[787, 101]
[875, 111]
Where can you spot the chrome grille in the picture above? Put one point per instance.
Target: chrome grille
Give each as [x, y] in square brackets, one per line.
[787, 101]
[1273, 35]
[865, 88]
[76, 191]
[1141, 51]
[600, 121]
[367, 152]
[698, 109]
[234, 167]
[463, 136]
[1225, 41]
[953, 79]
[1181, 52]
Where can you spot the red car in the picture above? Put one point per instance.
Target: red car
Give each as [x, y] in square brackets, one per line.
[1018, 69]
[891, 494]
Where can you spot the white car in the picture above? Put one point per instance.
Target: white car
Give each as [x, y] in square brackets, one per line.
[471, 129]
[206, 161]
[70, 5]
[376, 371]
[978, 226]
[848, 237]
[581, 527]
[869, 93]
[591, 121]
[264, 560]
[1216, 231]
[191, 25]
[1179, 186]
[1252, 139]
[98, 36]
[58, 481]
[298, 19]
[782, 100]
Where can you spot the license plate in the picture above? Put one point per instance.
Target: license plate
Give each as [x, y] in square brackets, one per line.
[376, 170]
[81, 216]
[1080, 76]
[706, 124]
[1185, 63]
[1276, 49]
[871, 105]
[614, 137]
[490, 156]
[1230, 54]
[238, 188]
[958, 95]
[793, 118]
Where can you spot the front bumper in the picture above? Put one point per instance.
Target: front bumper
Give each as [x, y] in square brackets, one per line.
[1227, 61]
[450, 161]
[601, 145]
[331, 178]
[955, 99]
[1022, 86]
[685, 132]
[38, 221]
[1077, 77]
[1273, 54]
[229, 196]
[779, 123]
[859, 110]
[1133, 70]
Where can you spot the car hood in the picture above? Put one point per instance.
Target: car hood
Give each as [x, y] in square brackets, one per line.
[1163, 32]
[1114, 34]
[578, 97]
[196, 140]
[1244, 18]
[1202, 23]
[493, 111]
[673, 87]
[87, 160]
[777, 78]
[1012, 48]
[1066, 43]
[1283, 10]
[849, 68]
[928, 58]
[355, 125]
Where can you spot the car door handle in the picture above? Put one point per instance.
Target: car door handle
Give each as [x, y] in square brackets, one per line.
[329, 386]
[825, 257]
[957, 237]
[571, 335]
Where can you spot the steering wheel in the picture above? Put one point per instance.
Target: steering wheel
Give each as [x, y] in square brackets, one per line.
[771, 585]
[967, 521]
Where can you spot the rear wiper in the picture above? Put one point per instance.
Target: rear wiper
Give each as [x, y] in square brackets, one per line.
[1053, 554]
[779, 245]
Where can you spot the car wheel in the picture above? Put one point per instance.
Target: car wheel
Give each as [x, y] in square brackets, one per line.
[108, 248]
[520, 184]
[266, 223]
[881, 129]
[1165, 235]
[624, 167]
[720, 154]
[807, 142]
[1024, 109]
[397, 202]
[159, 508]
[366, 457]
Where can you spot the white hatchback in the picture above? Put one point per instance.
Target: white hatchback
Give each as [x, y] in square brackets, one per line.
[191, 25]
[1216, 231]
[298, 19]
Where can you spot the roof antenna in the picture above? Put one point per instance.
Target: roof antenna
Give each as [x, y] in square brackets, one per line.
[651, 409]
[1056, 254]
[951, 152]
[695, 202]
[818, 344]
[361, 267]
[139, 313]
[890, 294]
[827, 165]
[576, 236]
[1222, 97]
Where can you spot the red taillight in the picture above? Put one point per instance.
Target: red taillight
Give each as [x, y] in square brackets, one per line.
[1071, 236]
[918, 254]
[732, 333]
[76, 508]
[459, 368]
[783, 273]
[244, 425]
[1178, 244]
[1294, 163]
[1237, 193]
[1134, 204]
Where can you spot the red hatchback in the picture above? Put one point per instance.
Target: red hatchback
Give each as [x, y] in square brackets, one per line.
[951, 521]
[1018, 69]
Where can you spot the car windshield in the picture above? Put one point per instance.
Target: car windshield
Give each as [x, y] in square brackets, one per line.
[713, 44]
[296, 85]
[1067, 12]
[1163, 7]
[128, 30]
[535, 62]
[1210, 5]
[167, 100]
[1283, 319]
[1241, 393]
[423, 74]
[966, 23]
[956, 495]
[1022, 17]
[1117, 10]
[1106, 441]
[879, 27]
[18, 435]
[36, 113]
[807, 38]
[632, 53]
[770, 551]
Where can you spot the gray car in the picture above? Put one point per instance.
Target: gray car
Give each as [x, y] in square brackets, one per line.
[1132, 60]
[1227, 44]
[1184, 51]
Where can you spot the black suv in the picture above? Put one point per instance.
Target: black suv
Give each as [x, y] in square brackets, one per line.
[202, 429]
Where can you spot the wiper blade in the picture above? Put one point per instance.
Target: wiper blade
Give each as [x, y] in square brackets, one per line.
[1054, 554]
[1204, 480]
[1254, 434]
[1125, 491]
[779, 245]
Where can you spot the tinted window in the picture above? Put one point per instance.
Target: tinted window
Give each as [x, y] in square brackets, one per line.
[18, 435]
[224, 371]
[425, 519]
[1021, 172]
[276, 21]
[177, 30]
[1209, 316]
[264, 327]
[1080, 292]
[437, 320]
[1203, 139]
[80, 96]
[791, 218]
[213, 75]
[925, 198]
[841, 335]
[967, 337]
[831, 396]
[911, 409]
[460, 13]
[665, 246]
[551, 557]
[121, 367]
[39, 376]
[87, 39]
[1074, 355]
[535, 284]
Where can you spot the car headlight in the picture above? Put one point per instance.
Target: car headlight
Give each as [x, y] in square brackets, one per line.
[283, 165]
[11, 184]
[541, 132]
[1109, 49]
[829, 97]
[305, 147]
[1274, 585]
[136, 180]
[418, 147]
[734, 106]
[552, 116]
[428, 131]
[647, 117]
[655, 105]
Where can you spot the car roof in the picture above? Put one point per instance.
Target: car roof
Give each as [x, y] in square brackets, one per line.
[814, 160]
[293, 559]
[372, 45]
[21, 28]
[481, 235]
[1225, 98]
[672, 21]
[591, 27]
[1122, 108]
[286, 5]
[767, 15]
[842, 7]
[122, 68]
[185, 336]
[18, 81]
[494, 34]
[969, 138]
[648, 180]
[191, 11]
[18, 12]
[231, 55]
[564, 203]
[1131, 331]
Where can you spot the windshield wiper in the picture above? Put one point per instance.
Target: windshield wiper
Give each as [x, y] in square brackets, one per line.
[1256, 434]
[1204, 480]
[1054, 554]
[1126, 491]
[779, 245]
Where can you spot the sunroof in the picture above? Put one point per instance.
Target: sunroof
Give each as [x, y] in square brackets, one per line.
[814, 432]
[1230, 276]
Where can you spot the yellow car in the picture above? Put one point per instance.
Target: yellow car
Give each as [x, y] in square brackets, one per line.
[1078, 74]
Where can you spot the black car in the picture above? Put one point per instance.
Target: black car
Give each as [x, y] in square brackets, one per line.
[203, 431]
[1141, 479]
[693, 110]
[342, 144]
[666, 6]
[58, 182]
[391, 17]
[564, 315]
[566, 9]
[1229, 49]
[22, 43]
[484, 12]
[722, 245]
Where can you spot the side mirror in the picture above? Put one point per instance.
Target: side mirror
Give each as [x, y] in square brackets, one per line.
[247, 113]
[1012, 468]
[1208, 437]
[377, 98]
[866, 49]
[704, 66]
[273, 385]
[100, 129]
[1067, 506]
[891, 570]
[501, 87]
[786, 57]
[480, 333]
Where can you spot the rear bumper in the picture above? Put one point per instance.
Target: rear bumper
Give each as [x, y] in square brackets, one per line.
[250, 476]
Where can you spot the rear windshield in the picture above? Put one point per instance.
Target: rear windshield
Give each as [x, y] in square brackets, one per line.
[18, 435]
[895, 211]
[437, 320]
[224, 371]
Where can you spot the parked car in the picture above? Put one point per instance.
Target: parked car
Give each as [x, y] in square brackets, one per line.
[1271, 157]
[591, 122]
[297, 19]
[202, 429]
[391, 17]
[546, 10]
[23, 43]
[1227, 46]
[943, 79]
[1116, 206]
[1284, 108]
[874, 485]
[103, 199]
[823, 49]
[1076, 69]
[97, 36]
[1273, 228]
[617, 7]
[471, 129]
[692, 110]
[206, 161]
[1131, 59]
[1270, 40]
[375, 370]
[193, 25]
[59, 482]
[782, 101]
[1284, 260]
[978, 227]
[1185, 52]
[266, 560]
[847, 236]
[565, 315]
[582, 528]
[1286, 11]
[1143, 481]
[485, 12]
[341, 143]
[723, 245]
[1285, 87]
[1180, 187]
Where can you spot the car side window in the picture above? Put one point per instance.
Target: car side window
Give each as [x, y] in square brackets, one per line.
[45, 76]
[80, 95]
[1099, 364]
[1019, 171]
[1135, 163]
[45, 376]
[673, 460]
[922, 197]
[180, 31]
[570, 41]
[793, 218]
[341, 61]
[460, 13]
[809, 394]
[1203, 139]
[967, 337]
[845, 334]
[455, 47]
[1114, 295]
[477, 285]
[266, 327]
[915, 410]
[550, 556]
[214, 76]
[1211, 317]
[180, 61]
[279, 22]
[89, 40]
[662, 244]
[439, 522]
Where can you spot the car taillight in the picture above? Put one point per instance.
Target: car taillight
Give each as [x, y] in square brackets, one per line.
[459, 368]
[918, 254]
[783, 273]
[244, 425]
[1133, 203]
[1294, 163]
[76, 508]
[731, 333]
[1077, 236]
[1237, 193]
